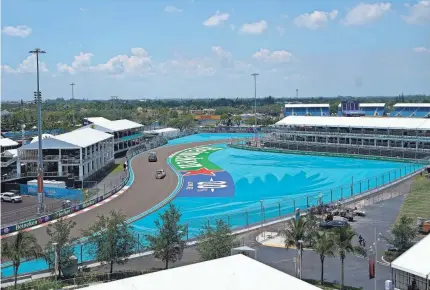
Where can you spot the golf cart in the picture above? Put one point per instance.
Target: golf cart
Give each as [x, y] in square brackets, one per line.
[160, 174]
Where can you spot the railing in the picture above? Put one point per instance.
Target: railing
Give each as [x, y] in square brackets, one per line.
[9, 162]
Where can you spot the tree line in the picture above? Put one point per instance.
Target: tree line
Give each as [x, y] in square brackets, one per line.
[111, 240]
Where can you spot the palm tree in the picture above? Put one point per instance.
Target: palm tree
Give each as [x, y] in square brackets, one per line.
[324, 246]
[22, 246]
[343, 242]
[295, 231]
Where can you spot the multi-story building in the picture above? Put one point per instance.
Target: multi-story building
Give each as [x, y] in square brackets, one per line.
[79, 154]
[127, 134]
[369, 109]
[395, 137]
[8, 154]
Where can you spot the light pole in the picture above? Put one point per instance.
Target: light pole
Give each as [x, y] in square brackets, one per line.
[300, 258]
[38, 98]
[73, 105]
[255, 106]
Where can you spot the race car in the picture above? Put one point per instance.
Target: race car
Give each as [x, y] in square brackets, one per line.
[160, 174]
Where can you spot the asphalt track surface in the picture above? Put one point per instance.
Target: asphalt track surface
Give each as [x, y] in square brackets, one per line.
[143, 194]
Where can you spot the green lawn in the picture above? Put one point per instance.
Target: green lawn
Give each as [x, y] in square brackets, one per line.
[417, 202]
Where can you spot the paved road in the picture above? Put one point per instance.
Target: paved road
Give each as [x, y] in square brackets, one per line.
[143, 194]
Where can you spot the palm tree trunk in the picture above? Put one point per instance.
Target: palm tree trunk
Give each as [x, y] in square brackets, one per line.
[111, 267]
[342, 277]
[15, 274]
[167, 264]
[322, 270]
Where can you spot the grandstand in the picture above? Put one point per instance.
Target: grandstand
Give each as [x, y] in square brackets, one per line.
[307, 110]
[393, 137]
[411, 110]
[369, 109]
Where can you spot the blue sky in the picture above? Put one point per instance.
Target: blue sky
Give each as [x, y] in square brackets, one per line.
[208, 48]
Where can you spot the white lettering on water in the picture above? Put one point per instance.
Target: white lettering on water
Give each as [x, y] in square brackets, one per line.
[188, 158]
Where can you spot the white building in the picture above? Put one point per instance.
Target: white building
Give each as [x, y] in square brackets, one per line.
[8, 154]
[6, 144]
[413, 267]
[127, 134]
[168, 133]
[231, 273]
[80, 154]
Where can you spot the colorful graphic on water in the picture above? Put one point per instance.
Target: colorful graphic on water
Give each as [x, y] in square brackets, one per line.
[202, 178]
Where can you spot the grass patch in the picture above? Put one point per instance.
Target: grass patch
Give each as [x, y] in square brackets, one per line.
[330, 285]
[417, 202]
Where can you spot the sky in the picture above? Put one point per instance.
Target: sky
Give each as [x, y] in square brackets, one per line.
[207, 49]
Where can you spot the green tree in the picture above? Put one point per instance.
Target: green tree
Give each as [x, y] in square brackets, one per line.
[237, 119]
[111, 239]
[22, 246]
[343, 242]
[295, 231]
[403, 232]
[59, 233]
[215, 242]
[168, 243]
[324, 246]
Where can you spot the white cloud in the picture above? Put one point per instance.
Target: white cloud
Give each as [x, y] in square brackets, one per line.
[221, 53]
[418, 13]
[275, 56]
[172, 9]
[280, 29]
[422, 49]
[28, 65]
[83, 9]
[18, 31]
[365, 13]
[315, 20]
[216, 19]
[254, 28]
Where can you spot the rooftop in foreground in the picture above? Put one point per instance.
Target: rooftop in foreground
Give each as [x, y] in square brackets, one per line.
[114, 126]
[233, 272]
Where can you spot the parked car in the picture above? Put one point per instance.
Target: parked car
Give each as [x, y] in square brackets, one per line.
[160, 174]
[333, 224]
[152, 157]
[11, 197]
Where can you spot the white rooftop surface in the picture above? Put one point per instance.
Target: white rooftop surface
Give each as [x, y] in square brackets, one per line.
[416, 260]
[117, 125]
[413, 105]
[371, 105]
[230, 273]
[164, 130]
[83, 137]
[11, 152]
[307, 106]
[35, 139]
[6, 142]
[357, 122]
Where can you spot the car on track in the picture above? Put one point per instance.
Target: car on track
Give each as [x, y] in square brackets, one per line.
[334, 224]
[160, 174]
[152, 157]
[11, 197]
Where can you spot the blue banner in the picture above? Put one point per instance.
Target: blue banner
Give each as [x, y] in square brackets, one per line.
[52, 192]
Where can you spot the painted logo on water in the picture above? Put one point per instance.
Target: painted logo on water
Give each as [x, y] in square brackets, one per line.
[202, 178]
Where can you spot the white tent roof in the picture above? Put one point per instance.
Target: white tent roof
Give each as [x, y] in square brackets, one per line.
[44, 136]
[114, 126]
[6, 142]
[83, 137]
[357, 122]
[307, 106]
[230, 273]
[164, 130]
[416, 260]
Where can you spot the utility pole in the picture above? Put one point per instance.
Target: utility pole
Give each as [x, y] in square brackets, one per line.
[38, 99]
[297, 94]
[73, 105]
[255, 106]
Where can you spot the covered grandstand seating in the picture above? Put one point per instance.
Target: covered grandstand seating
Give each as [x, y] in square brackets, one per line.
[307, 110]
[369, 109]
[411, 110]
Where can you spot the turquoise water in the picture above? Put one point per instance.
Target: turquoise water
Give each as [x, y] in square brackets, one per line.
[281, 181]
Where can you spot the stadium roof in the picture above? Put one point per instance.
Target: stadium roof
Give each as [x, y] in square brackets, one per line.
[231, 273]
[114, 126]
[6, 142]
[415, 260]
[307, 105]
[357, 122]
[72, 140]
[371, 105]
[412, 105]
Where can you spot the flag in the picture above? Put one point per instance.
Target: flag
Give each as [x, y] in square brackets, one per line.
[371, 269]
